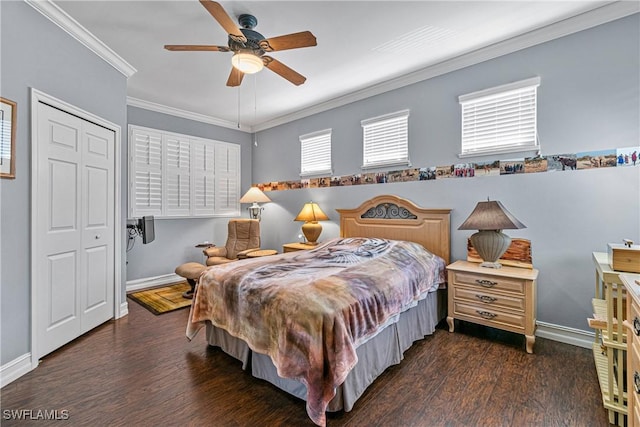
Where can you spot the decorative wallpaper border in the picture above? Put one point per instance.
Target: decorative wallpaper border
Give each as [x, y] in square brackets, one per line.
[621, 157]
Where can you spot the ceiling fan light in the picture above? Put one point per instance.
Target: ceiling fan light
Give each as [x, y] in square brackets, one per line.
[248, 63]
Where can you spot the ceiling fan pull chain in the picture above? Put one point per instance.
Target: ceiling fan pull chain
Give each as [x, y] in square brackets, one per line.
[255, 108]
[238, 107]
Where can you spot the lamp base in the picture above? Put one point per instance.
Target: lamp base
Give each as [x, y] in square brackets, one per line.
[311, 231]
[490, 245]
[491, 265]
[255, 211]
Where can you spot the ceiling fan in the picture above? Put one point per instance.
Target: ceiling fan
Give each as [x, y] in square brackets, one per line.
[249, 46]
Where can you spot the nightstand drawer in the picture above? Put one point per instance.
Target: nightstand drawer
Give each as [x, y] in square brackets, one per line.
[488, 299]
[489, 315]
[498, 283]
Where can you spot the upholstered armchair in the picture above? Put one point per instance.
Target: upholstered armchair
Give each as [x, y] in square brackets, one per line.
[243, 237]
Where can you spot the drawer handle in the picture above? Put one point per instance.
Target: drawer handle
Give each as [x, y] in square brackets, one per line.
[487, 298]
[636, 381]
[486, 283]
[636, 325]
[487, 315]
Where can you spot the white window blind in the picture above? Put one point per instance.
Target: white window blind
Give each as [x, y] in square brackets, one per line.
[386, 140]
[146, 172]
[177, 174]
[227, 190]
[501, 119]
[315, 153]
[203, 170]
[173, 175]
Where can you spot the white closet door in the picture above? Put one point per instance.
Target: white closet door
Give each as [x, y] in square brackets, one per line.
[73, 279]
[97, 202]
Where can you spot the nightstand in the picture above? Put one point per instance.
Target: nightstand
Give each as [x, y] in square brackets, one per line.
[503, 298]
[297, 246]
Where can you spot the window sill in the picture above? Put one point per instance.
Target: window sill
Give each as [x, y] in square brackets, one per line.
[405, 163]
[534, 150]
[318, 174]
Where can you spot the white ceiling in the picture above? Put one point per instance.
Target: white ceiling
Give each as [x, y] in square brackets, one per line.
[363, 47]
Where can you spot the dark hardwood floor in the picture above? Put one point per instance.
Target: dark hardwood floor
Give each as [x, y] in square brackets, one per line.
[142, 371]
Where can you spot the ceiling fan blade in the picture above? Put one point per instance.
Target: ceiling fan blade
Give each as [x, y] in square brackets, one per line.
[284, 71]
[193, 47]
[289, 41]
[216, 10]
[235, 77]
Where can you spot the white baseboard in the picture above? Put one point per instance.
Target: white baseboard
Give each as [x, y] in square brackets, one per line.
[124, 310]
[150, 282]
[565, 334]
[15, 369]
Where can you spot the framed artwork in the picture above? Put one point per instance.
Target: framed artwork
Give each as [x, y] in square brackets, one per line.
[7, 138]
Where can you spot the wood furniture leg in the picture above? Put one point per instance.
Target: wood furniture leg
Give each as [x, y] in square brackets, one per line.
[531, 340]
[450, 323]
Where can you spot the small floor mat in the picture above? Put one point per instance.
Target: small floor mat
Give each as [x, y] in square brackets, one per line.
[163, 299]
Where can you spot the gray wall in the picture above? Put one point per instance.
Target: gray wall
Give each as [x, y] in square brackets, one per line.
[588, 100]
[176, 238]
[36, 53]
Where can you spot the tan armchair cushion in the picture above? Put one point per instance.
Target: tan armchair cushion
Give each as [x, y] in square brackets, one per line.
[215, 251]
[243, 236]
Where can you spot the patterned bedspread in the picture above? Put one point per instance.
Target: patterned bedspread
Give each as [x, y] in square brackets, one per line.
[309, 310]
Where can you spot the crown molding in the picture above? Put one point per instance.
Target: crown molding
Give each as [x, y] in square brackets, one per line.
[602, 15]
[72, 27]
[159, 108]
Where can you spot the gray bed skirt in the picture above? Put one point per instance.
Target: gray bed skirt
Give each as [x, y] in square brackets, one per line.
[374, 356]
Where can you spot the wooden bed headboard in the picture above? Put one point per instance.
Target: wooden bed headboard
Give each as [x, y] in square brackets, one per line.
[392, 217]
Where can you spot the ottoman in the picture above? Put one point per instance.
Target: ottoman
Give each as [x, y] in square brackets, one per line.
[190, 271]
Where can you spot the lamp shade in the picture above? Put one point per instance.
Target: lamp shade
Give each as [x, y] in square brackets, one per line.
[490, 242]
[254, 195]
[311, 214]
[491, 215]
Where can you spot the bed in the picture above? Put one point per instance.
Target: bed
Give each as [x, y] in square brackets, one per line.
[323, 324]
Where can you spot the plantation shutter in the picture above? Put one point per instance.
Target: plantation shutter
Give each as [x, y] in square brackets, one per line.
[227, 178]
[203, 168]
[386, 140]
[177, 176]
[315, 153]
[146, 171]
[500, 119]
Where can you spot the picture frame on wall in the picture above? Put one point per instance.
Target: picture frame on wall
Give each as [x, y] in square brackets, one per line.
[8, 115]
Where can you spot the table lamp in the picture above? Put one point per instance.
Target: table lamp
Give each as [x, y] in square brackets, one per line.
[255, 196]
[311, 214]
[490, 218]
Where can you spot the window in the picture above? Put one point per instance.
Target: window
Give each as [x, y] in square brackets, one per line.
[386, 140]
[500, 120]
[315, 153]
[174, 175]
